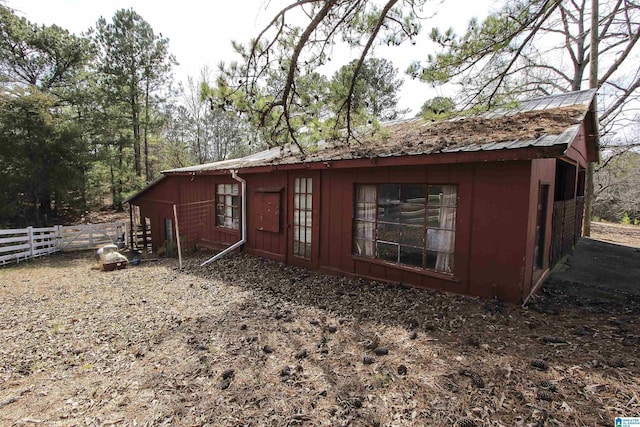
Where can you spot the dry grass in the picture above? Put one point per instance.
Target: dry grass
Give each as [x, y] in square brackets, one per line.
[616, 233]
[246, 341]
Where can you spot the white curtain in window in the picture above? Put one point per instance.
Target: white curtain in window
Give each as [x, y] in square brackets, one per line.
[364, 244]
[449, 196]
[366, 193]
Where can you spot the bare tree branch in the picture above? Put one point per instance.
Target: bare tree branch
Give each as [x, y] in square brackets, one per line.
[545, 15]
[614, 67]
[621, 100]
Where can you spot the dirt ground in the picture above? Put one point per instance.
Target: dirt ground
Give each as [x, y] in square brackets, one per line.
[251, 342]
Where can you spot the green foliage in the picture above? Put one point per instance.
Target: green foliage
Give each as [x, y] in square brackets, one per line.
[437, 108]
[319, 110]
[132, 70]
[134, 64]
[84, 121]
[47, 57]
[483, 47]
[538, 47]
[376, 89]
[43, 155]
[625, 219]
[268, 82]
[42, 160]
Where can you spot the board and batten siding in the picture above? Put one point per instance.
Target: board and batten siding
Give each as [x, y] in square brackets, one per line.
[491, 226]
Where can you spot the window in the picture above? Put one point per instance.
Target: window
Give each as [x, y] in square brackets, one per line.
[409, 224]
[302, 217]
[227, 202]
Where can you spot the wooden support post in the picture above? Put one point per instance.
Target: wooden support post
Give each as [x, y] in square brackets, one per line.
[131, 226]
[175, 216]
[143, 220]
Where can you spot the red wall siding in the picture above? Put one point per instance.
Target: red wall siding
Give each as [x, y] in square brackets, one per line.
[493, 204]
[578, 149]
[495, 226]
[500, 206]
[157, 204]
[542, 173]
[336, 219]
[268, 243]
[156, 213]
[203, 188]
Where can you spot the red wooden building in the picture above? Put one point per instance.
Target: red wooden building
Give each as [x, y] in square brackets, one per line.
[481, 205]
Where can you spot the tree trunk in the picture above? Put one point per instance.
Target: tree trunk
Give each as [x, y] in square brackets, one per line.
[593, 83]
[135, 117]
[114, 195]
[147, 166]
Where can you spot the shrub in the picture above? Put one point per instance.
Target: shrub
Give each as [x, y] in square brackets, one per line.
[625, 219]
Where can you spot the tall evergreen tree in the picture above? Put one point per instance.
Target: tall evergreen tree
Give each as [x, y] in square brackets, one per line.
[43, 157]
[134, 63]
[376, 89]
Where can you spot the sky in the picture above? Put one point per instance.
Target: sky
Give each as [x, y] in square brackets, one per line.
[200, 31]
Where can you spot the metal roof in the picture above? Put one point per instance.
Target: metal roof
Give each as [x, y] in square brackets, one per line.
[557, 118]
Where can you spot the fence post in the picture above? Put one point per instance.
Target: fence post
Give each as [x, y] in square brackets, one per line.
[57, 236]
[30, 237]
[61, 238]
[91, 235]
[119, 233]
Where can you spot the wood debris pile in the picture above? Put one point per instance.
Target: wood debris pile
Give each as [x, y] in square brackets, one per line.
[247, 341]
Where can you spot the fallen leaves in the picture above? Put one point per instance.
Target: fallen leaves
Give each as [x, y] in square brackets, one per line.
[239, 340]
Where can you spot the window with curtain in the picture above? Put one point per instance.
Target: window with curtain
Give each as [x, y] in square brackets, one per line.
[227, 206]
[365, 221]
[408, 224]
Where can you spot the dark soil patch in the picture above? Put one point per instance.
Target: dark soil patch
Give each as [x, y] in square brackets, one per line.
[561, 296]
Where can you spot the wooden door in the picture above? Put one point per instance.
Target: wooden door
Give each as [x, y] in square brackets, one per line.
[304, 219]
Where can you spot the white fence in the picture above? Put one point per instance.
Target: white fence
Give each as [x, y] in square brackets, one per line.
[21, 244]
[90, 236]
